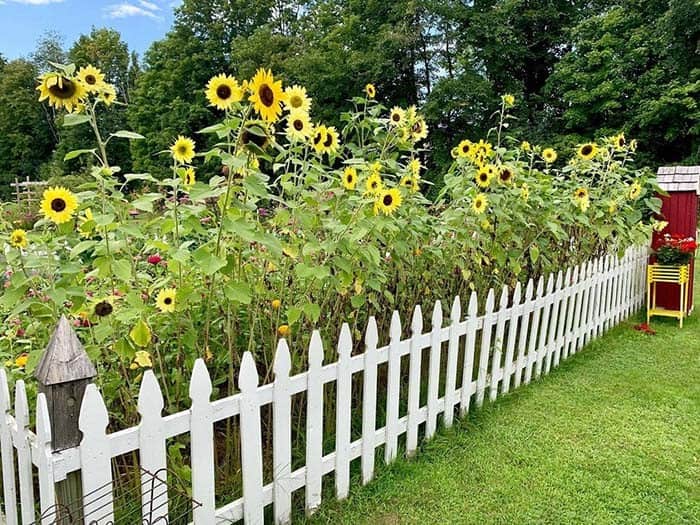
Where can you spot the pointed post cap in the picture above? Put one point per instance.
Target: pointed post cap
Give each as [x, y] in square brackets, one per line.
[64, 359]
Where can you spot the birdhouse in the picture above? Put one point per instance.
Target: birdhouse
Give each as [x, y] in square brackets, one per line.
[680, 210]
[63, 373]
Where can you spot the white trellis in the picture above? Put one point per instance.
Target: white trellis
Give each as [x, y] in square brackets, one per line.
[522, 335]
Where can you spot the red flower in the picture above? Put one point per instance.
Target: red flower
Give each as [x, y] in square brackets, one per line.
[154, 259]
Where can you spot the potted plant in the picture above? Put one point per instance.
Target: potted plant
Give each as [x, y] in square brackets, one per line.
[676, 250]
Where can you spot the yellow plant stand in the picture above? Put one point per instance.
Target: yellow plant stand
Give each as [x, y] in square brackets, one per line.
[661, 273]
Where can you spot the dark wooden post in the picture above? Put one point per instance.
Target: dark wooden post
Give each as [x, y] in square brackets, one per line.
[63, 373]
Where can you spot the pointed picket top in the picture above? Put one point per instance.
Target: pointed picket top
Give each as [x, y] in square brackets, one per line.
[93, 413]
[150, 400]
[503, 301]
[5, 402]
[436, 320]
[517, 293]
[372, 334]
[21, 404]
[560, 280]
[575, 276]
[473, 308]
[456, 312]
[283, 360]
[200, 382]
[345, 342]
[608, 262]
[529, 289]
[490, 301]
[567, 277]
[550, 283]
[43, 422]
[540, 286]
[316, 349]
[65, 358]
[395, 327]
[248, 374]
[417, 321]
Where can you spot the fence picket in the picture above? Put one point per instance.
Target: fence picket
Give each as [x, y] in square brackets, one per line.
[434, 370]
[566, 299]
[534, 327]
[95, 459]
[522, 336]
[544, 327]
[251, 443]
[571, 311]
[498, 343]
[583, 318]
[393, 389]
[592, 302]
[469, 343]
[24, 455]
[603, 306]
[485, 350]
[202, 438]
[452, 355]
[512, 336]
[557, 297]
[152, 450]
[47, 493]
[414, 381]
[7, 451]
[369, 401]
[314, 424]
[343, 411]
[282, 435]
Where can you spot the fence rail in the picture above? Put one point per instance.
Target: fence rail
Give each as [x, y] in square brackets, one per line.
[517, 338]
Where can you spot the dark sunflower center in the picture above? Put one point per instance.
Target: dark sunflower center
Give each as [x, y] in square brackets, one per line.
[374, 185]
[621, 141]
[318, 138]
[586, 150]
[168, 300]
[103, 309]
[387, 200]
[329, 141]
[90, 79]
[396, 117]
[223, 92]
[58, 204]
[483, 177]
[267, 96]
[417, 127]
[298, 125]
[479, 203]
[295, 101]
[349, 178]
[182, 149]
[465, 149]
[63, 88]
[259, 140]
[505, 175]
[581, 194]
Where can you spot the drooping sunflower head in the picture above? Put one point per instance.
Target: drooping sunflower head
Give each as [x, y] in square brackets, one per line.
[635, 190]
[296, 99]
[188, 177]
[388, 201]
[373, 184]
[508, 100]
[480, 203]
[103, 308]
[505, 175]
[61, 90]
[410, 183]
[483, 177]
[414, 167]
[266, 95]
[549, 155]
[91, 77]
[619, 141]
[18, 239]
[255, 136]
[397, 116]
[182, 149]
[525, 145]
[107, 94]
[370, 91]
[299, 127]
[465, 149]
[58, 204]
[349, 177]
[319, 138]
[223, 91]
[580, 193]
[330, 145]
[165, 300]
[419, 129]
[588, 151]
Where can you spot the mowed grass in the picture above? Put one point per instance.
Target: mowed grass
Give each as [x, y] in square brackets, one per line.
[611, 436]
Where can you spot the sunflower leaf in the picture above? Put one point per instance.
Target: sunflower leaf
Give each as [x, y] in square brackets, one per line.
[123, 134]
[73, 119]
[140, 334]
[76, 153]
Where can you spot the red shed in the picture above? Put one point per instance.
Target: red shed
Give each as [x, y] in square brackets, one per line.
[680, 209]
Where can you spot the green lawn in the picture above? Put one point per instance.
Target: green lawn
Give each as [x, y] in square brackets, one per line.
[611, 436]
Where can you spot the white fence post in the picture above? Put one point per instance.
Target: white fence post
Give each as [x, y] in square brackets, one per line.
[452, 355]
[434, 370]
[498, 344]
[512, 336]
[343, 412]
[393, 393]
[527, 308]
[47, 491]
[314, 424]
[414, 380]
[546, 312]
[550, 348]
[369, 401]
[202, 443]
[469, 344]
[485, 350]
[8, 453]
[282, 435]
[534, 327]
[251, 442]
[24, 456]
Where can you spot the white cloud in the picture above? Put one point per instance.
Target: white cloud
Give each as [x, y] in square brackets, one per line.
[36, 2]
[149, 5]
[125, 10]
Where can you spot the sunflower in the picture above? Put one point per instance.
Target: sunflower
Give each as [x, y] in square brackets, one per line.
[505, 175]
[103, 308]
[62, 91]
[633, 145]
[223, 91]
[419, 129]
[465, 149]
[330, 145]
[414, 167]
[454, 152]
[525, 192]
[508, 100]
[410, 183]
[21, 360]
[588, 151]
[635, 190]
[582, 199]
[619, 141]
[183, 149]
[18, 239]
[299, 125]
[549, 155]
[388, 201]
[266, 95]
[91, 77]
[58, 204]
[276, 304]
[483, 148]
[108, 94]
[480, 203]
[85, 224]
[397, 116]
[142, 359]
[319, 138]
[483, 177]
[373, 184]
[525, 145]
[165, 301]
[188, 177]
[370, 91]
[349, 178]
[297, 99]
[284, 330]
[255, 136]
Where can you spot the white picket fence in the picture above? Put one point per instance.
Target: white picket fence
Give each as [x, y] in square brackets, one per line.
[519, 339]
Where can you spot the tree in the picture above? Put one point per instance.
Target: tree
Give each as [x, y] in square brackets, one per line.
[25, 139]
[49, 48]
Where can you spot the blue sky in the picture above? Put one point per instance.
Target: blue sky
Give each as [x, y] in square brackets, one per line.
[140, 22]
